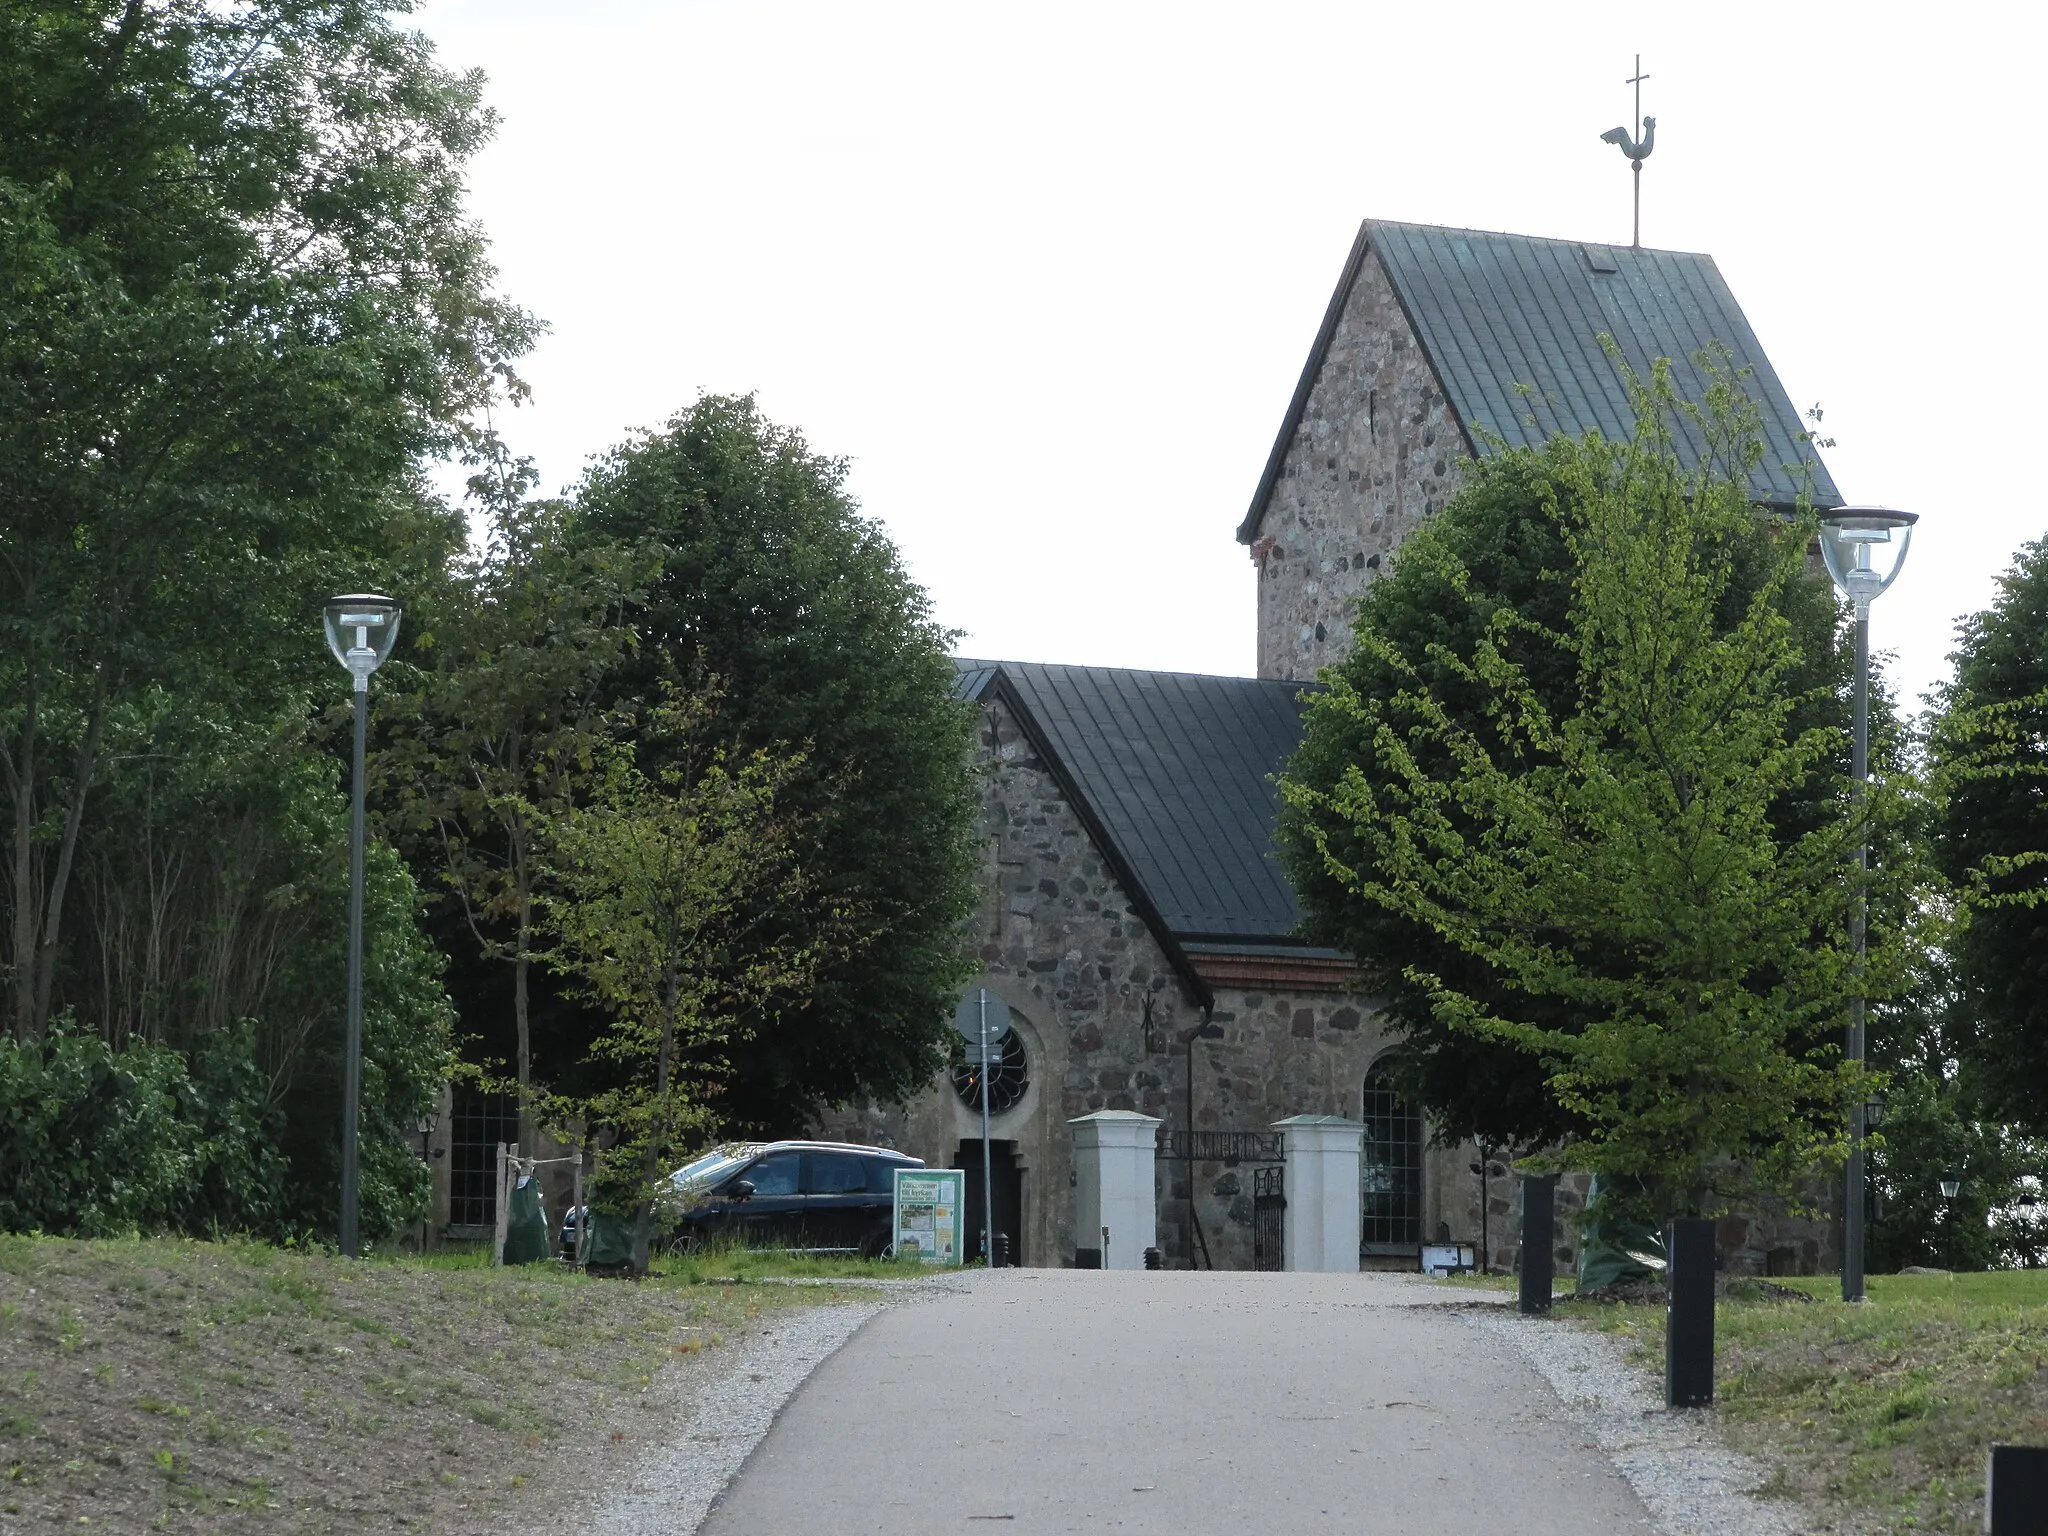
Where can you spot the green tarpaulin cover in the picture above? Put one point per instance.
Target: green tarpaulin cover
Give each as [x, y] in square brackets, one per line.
[526, 1230]
[611, 1241]
[1614, 1249]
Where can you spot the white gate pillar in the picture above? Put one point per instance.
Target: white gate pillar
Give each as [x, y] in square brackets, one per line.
[1325, 1172]
[1113, 1186]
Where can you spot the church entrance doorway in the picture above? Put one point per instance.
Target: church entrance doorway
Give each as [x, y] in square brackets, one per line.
[1008, 1181]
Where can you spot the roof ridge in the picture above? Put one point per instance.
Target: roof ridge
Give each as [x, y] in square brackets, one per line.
[1510, 234]
[1089, 666]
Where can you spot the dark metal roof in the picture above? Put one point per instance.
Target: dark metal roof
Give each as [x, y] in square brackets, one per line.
[1174, 771]
[972, 677]
[1494, 312]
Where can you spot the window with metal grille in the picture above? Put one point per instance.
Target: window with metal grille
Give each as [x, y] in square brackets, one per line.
[1392, 1218]
[478, 1123]
[1007, 1079]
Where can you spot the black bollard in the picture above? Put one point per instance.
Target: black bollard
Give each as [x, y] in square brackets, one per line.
[1002, 1243]
[1689, 1314]
[1539, 1236]
[2016, 1490]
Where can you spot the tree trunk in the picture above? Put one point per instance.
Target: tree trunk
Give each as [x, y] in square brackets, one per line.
[21, 783]
[522, 965]
[657, 1140]
[643, 1230]
[53, 911]
[522, 881]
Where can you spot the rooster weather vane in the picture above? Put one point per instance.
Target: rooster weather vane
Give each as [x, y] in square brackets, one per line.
[1637, 148]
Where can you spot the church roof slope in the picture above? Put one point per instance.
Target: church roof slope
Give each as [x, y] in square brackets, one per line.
[1175, 772]
[1511, 325]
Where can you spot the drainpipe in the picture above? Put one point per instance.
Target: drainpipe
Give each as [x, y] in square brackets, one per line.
[1206, 1030]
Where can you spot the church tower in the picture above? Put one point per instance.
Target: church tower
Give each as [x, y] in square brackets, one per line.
[1438, 345]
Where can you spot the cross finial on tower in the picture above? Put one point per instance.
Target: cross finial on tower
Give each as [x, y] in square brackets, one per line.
[1637, 148]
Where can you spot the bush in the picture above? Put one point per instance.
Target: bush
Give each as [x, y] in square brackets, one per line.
[92, 1141]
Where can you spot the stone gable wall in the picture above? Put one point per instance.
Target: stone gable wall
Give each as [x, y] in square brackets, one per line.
[1377, 450]
[1057, 939]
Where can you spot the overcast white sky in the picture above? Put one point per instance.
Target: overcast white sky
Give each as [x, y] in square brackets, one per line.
[1047, 274]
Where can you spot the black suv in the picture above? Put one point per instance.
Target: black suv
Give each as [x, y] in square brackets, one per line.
[821, 1196]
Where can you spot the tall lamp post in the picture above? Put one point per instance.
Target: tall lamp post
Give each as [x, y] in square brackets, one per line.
[1865, 547]
[361, 629]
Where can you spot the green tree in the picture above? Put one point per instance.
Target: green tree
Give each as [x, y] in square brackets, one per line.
[507, 721]
[772, 582]
[662, 883]
[241, 304]
[1933, 1129]
[1676, 963]
[1499, 548]
[1988, 748]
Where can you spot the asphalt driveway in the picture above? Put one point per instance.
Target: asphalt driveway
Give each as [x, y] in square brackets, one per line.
[1068, 1400]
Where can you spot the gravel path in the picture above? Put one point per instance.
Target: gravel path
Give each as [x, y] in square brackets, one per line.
[1691, 1484]
[671, 1489]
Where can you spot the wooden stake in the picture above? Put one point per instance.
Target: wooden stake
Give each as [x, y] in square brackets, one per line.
[576, 1204]
[504, 1213]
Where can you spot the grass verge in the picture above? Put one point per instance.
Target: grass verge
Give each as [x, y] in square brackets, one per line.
[1876, 1417]
[160, 1384]
[737, 1264]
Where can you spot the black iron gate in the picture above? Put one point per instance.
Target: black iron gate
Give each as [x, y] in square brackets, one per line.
[1269, 1217]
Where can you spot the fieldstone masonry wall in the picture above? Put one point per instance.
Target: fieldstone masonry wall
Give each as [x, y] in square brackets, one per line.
[1376, 451]
[1306, 1052]
[1058, 940]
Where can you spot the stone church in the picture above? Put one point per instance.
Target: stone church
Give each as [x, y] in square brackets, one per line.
[1135, 917]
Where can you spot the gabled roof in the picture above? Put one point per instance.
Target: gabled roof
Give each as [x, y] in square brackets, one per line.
[1172, 772]
[1494, 312]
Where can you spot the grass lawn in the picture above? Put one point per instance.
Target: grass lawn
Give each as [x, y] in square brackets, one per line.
[1878, 1415]
[164, 1384]
[736, 1264]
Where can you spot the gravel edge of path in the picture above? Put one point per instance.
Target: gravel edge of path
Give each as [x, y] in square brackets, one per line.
[721, 1412]
[720, 1419]
[1690, 1482]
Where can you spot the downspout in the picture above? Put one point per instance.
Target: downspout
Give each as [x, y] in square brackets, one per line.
[1201, 1031]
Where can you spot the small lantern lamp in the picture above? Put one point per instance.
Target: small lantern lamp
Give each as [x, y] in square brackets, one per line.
[361, 630]
[1865, 548]
[1951, 1185]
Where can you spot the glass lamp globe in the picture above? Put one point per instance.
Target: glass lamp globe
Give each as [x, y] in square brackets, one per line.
[1865, 547]
[361, 630]
[1951, 1185]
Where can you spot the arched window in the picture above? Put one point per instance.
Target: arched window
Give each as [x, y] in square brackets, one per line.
[1393, 1169]
[1007, 1079]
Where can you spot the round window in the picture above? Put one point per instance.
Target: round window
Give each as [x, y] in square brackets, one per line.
[1007, 1080]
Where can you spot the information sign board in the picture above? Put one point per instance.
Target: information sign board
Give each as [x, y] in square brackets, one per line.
[1441, 1259]
[929, 1214]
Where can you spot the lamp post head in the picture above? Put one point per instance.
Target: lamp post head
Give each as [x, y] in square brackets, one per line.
[361, 630]
[1865, 547]
[1951, 1185]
